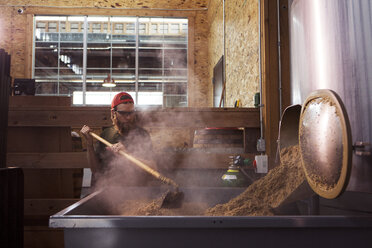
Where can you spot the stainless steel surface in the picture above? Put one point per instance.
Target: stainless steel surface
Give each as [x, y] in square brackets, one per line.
[325, 143]
[362, 148]
[330, 46]
[91, 223]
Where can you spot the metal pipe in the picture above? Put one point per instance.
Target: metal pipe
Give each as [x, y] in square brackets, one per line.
[259, 66]
[224, 56]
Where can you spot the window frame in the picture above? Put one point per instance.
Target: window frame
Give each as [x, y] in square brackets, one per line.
[188, 62]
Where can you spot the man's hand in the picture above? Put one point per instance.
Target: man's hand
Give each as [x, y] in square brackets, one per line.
[117, 147]
[85, 130]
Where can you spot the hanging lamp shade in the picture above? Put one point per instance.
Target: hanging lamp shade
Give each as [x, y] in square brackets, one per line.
[109, 82]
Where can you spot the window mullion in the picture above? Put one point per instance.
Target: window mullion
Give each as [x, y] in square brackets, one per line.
[59, 56]
[137, 56]
[85, 45]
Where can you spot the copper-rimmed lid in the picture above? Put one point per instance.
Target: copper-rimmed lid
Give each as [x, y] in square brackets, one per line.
[325, 143]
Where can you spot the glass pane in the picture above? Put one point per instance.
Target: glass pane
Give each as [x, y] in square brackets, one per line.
[98, 30]
[163, 28]
[180, 74]
[46, 75]
[98, 55]
[175, 101]
[154, 73]
[143, 28]
[118, 28]
[124, 74]
[127, 87]
[46, 81]
[69, 82]
[71, 29]
[46, 54]
[175, 28]
[150, 85]
[130, 28]
[71, 57]
[52, 26]
[96, 76]
[150, 98]
[150, 58]
[175, 88]
[175, 58]
[123, 57]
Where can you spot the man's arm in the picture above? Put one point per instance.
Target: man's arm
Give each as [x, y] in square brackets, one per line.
[93, 159]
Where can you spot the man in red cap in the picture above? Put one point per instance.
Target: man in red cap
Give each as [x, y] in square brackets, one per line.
[126, 135]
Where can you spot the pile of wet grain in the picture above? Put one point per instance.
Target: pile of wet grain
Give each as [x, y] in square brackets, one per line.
[268, 192]
[257, 200]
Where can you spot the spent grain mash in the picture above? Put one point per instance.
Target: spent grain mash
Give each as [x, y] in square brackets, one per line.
[257, 200]
[268, 192]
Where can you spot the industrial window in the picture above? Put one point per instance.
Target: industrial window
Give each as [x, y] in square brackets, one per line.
[147, 57]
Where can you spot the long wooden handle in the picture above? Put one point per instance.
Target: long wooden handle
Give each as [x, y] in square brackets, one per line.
[138, 163]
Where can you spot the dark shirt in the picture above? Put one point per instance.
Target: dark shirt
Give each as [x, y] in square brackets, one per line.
[137, 142]
[114, 169]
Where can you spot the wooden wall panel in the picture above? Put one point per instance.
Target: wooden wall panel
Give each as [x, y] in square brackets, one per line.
[159, 118]
[271, 115]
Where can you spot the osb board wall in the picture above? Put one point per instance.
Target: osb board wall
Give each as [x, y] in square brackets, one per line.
[155, 4]
[215, 39]
[16, 38]
[241, 44]
[13, 38]
[199, 93]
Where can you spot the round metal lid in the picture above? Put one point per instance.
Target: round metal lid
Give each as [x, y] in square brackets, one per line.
[325, 143]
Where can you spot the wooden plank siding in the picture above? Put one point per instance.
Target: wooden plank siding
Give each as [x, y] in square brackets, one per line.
[166, 160]
[56, 116]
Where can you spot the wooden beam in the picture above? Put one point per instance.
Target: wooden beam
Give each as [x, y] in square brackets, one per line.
[270, 66]
[29, 44]
[192, 159]
[46, 207]
[48, 160]
[60, 10]
[100, 117]
[197, 160]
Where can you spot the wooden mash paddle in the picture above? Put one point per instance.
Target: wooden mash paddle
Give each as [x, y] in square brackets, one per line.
[172, 199]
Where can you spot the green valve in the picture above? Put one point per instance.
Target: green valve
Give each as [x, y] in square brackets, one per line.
[257, 99]
[234, 178]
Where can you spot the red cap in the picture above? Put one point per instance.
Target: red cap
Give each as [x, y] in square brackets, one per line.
[122, 97]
